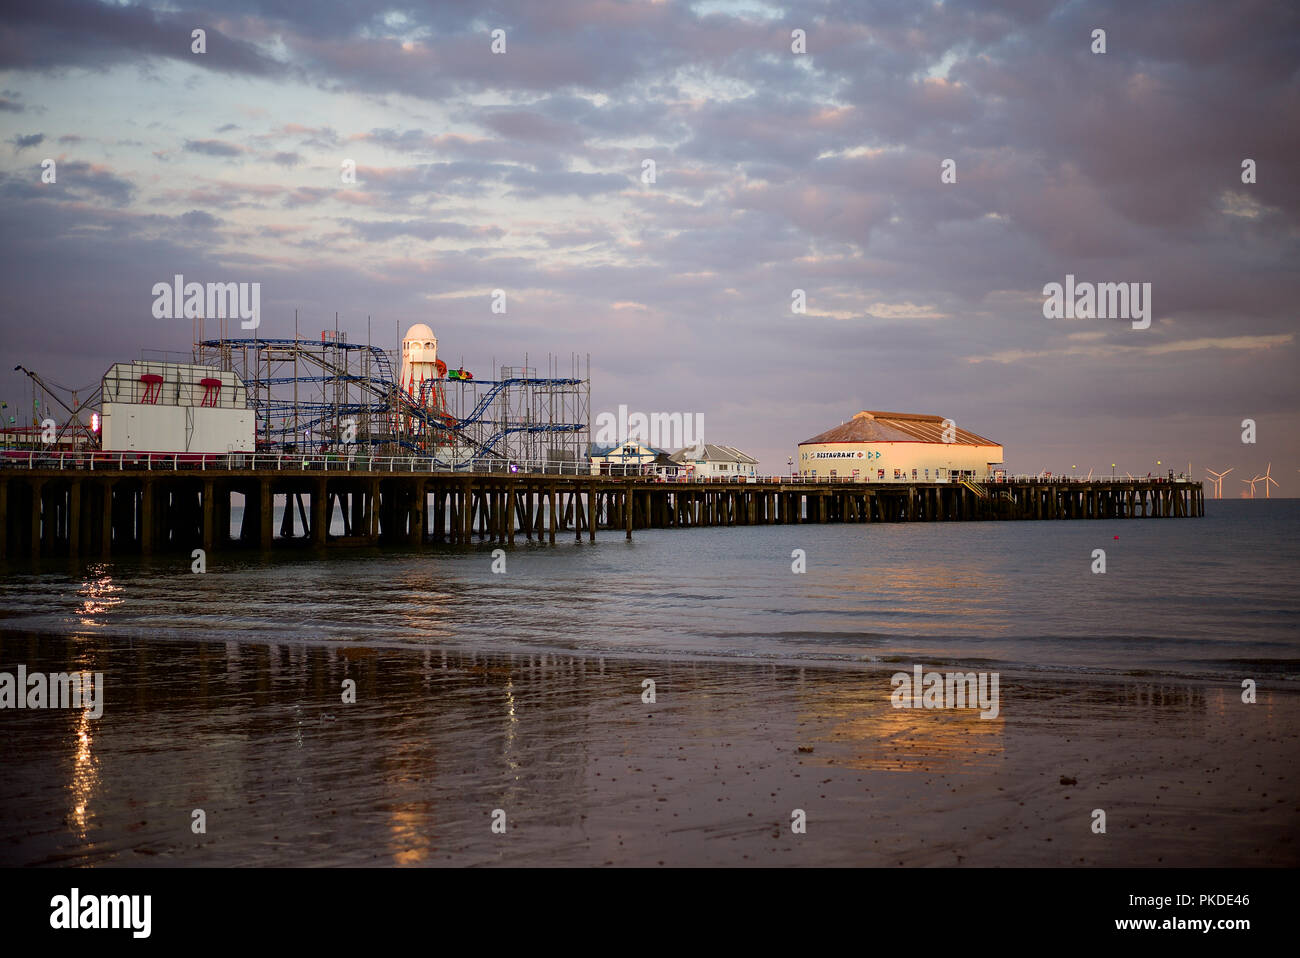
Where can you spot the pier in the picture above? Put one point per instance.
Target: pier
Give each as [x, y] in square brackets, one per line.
[106, 505]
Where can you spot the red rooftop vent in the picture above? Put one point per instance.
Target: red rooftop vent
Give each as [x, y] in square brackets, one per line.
[152, 387]
[211, 390]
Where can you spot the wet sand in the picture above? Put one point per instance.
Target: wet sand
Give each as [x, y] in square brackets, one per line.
[588, 774]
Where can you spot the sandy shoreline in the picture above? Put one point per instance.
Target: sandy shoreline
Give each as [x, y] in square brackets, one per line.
[588, 774]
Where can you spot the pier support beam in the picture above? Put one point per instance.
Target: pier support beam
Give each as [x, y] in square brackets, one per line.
[265, 510]
[209, 515]
[36, 488]
[147, 505]
[74, 518]
[319, 522]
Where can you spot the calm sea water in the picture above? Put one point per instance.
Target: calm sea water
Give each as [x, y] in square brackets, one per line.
[1178, 596]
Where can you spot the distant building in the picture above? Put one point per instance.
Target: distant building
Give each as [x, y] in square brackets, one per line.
[708, 461]
[878, 446]
[164, 407]
[629, 458]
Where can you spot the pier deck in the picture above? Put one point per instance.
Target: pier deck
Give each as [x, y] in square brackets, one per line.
[100, 507]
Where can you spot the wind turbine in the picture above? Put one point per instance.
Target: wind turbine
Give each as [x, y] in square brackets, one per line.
[1252, 484]
[1267, 479]
[1218, 481]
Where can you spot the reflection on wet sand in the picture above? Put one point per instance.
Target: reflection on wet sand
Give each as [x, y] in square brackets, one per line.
[944, 740]
[257, 735]
[85, 774]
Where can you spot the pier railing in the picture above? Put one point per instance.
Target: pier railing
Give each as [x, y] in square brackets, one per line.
[72, 504]
[334, 462]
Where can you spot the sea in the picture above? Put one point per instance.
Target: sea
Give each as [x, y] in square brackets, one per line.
[1177, 597]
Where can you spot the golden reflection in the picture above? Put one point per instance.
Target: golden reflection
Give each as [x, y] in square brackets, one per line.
[409, 824]
[870, 733]
[512, 727]
[98, 594]
[85, 775]
[965, 587]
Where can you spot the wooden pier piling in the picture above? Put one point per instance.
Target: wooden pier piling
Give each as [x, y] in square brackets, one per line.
[122, 510]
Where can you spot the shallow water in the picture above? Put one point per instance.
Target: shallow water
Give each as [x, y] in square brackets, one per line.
[1179, 596]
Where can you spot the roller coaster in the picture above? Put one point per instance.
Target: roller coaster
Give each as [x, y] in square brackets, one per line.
[332, 396]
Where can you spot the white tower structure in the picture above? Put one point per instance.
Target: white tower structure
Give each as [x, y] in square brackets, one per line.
[419, 360]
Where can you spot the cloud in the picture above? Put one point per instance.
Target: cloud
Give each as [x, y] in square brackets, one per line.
[533, 183]
[405, 141]
[213, 148]
[21, 142]
[96, 181]
[379, 231]
[320, 137]
[85, 33]
[199, 220]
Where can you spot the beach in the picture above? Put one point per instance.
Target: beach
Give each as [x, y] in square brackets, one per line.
[258, 738]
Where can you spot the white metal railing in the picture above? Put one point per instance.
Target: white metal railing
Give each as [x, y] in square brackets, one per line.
[247, 462]
[331, 462]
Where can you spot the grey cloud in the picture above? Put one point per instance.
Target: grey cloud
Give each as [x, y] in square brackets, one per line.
[213, 148]
[420, 229]
[50, 34]
[405, 141]
[530, 183]
[532, 127]
[197, 219]
[80, 180]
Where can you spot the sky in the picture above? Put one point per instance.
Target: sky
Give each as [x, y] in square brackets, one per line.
[775, 170]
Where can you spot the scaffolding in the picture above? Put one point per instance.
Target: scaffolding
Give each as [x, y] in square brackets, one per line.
[332, 396]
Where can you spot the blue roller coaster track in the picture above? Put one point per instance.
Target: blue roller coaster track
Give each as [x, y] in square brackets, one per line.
[388, 399]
